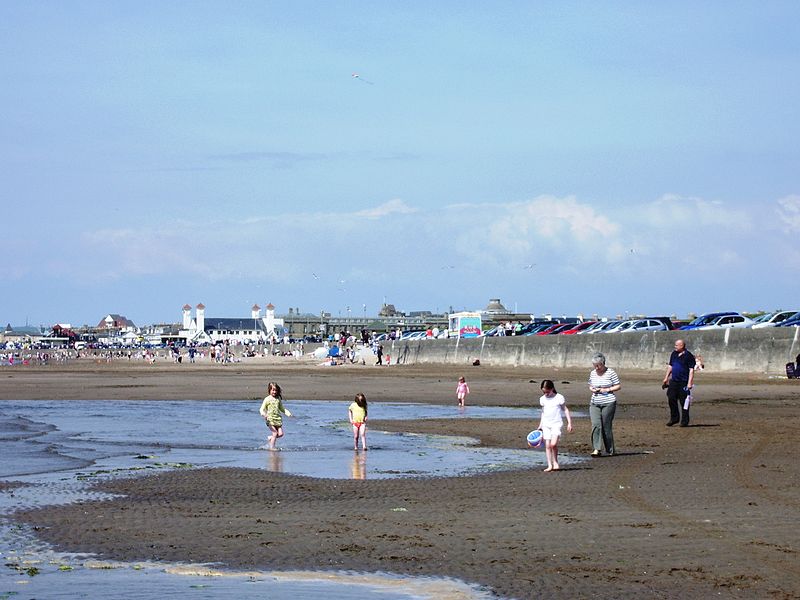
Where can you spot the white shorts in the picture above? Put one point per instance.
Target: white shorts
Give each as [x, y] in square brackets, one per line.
[550, 432]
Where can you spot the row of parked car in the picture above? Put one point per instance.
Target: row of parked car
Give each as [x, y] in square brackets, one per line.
[728, 320]
[590, 327]
[718, 320]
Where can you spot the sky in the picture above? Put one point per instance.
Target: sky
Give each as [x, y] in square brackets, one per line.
[565, 157]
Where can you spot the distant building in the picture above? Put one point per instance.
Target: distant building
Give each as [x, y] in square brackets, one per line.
[495, 307]
[21, 334]
[117, 323]
[237, 330]
[388, 310]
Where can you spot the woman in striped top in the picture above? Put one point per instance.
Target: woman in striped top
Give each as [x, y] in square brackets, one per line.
[603, 382]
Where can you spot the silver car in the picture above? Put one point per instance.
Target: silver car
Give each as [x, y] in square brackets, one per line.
[646, 325]
[728, 322]
[772, 319]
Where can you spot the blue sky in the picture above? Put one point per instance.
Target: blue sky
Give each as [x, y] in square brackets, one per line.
[566, 157]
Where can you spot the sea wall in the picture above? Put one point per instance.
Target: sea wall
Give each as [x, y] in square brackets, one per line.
[743, 350]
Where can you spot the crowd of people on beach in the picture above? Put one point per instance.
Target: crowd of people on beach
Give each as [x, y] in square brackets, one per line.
[38, 358]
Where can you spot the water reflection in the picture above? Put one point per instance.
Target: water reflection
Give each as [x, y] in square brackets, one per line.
[275, 461]
[359, 467]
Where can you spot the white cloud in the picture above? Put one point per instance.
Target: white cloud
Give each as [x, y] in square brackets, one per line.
[392, 207]
[789, 212]
[447, 251]
[672, 211]
[285, 248]
[544, 228]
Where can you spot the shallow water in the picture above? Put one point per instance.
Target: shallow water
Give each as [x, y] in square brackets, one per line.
[49, 437]
[57, 449]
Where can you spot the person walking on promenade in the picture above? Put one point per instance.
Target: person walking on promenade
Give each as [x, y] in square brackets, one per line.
[379, 352]
[603, 382]
[462, 390]
[357, 412]
[271, 410]
[678, 381]
[554, 409]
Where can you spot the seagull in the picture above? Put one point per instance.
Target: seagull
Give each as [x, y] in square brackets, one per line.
[315, 276]
[530, 266]
[357, 76]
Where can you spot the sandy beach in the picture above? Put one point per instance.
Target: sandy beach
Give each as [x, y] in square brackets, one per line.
[711, 509]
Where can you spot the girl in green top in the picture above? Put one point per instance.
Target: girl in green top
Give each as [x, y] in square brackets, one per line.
[358, 419]
[271, 410]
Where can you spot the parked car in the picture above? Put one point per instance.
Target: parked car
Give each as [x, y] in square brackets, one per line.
[603, 327]
[773, 319]
[498, 330]
[525, 329]
[414, 335]
[793, 321]
[559, 328]
[548, 329]
[539, 327]
[728, 322]
[666, 321]
[647, 325]
[592, 327]
[578, 327]
[620, 326]
[706, 319]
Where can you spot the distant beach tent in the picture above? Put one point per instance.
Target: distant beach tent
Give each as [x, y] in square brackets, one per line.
[465, 324]
[333, 351]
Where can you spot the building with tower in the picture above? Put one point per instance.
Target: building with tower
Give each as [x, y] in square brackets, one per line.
[256, 329]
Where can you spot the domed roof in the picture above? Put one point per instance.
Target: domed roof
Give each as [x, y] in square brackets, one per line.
[495, 306]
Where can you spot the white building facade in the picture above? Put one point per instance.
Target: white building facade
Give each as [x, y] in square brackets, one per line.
[214, 330]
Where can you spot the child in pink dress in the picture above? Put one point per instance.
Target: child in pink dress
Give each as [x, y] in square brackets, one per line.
[461, 391]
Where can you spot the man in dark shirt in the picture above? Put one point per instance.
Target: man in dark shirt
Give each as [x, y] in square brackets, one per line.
[678, 380]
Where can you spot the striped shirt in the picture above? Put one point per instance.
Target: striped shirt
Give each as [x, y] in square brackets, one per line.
[606, 380]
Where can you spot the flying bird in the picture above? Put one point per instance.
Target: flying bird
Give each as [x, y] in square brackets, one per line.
[360, 78]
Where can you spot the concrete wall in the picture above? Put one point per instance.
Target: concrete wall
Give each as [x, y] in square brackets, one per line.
[744, 350]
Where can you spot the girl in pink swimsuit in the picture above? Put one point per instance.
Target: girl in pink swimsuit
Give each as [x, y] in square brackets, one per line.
[461, 391]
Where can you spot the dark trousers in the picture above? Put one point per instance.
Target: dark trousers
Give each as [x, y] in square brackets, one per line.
[676, 395]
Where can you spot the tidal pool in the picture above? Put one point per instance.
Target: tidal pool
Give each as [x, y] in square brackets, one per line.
[57, 449]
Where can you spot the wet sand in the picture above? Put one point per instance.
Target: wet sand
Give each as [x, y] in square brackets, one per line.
[708, 509]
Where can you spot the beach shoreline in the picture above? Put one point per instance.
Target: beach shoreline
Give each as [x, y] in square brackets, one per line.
[701, 510]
